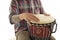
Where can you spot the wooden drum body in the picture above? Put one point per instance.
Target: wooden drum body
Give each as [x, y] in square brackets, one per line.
[42, 30]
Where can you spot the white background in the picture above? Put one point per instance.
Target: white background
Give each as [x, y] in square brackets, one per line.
[7, 30]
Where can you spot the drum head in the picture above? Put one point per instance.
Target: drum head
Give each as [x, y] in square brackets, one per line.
[43, 19]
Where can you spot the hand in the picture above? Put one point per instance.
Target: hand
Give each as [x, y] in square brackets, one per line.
[46, 14]
[28, 17]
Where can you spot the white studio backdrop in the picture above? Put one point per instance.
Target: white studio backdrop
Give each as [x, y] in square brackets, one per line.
[7, 30]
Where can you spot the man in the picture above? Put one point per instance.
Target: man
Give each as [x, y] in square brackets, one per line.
[21, 13]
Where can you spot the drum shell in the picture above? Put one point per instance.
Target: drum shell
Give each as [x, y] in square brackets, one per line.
[41, 30]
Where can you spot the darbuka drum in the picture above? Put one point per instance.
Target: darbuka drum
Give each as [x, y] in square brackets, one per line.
[42, 30]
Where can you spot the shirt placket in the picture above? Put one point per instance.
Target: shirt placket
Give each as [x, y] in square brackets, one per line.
[32, 5]
[25, 6]
[36, 7]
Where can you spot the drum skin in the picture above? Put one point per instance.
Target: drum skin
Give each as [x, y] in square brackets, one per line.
[43, 19]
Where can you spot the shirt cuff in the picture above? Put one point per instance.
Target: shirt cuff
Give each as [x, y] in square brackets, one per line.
[15, 19]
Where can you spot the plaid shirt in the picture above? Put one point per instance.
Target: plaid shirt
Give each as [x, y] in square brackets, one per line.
[22, 6]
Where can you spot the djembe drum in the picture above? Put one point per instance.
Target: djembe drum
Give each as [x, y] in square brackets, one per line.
[43, 29]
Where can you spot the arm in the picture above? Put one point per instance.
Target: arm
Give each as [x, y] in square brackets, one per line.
[42, 10]
[13, 17]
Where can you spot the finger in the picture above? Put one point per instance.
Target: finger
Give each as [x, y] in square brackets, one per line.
[46, 14]
[28, 21]
[32, 17]
[30, 14]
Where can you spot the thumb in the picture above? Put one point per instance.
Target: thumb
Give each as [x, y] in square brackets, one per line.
[28, 21]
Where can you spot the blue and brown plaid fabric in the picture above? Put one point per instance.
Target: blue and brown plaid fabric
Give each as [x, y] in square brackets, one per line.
[23, 6]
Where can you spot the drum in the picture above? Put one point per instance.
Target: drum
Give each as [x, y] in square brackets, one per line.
[43, 29]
